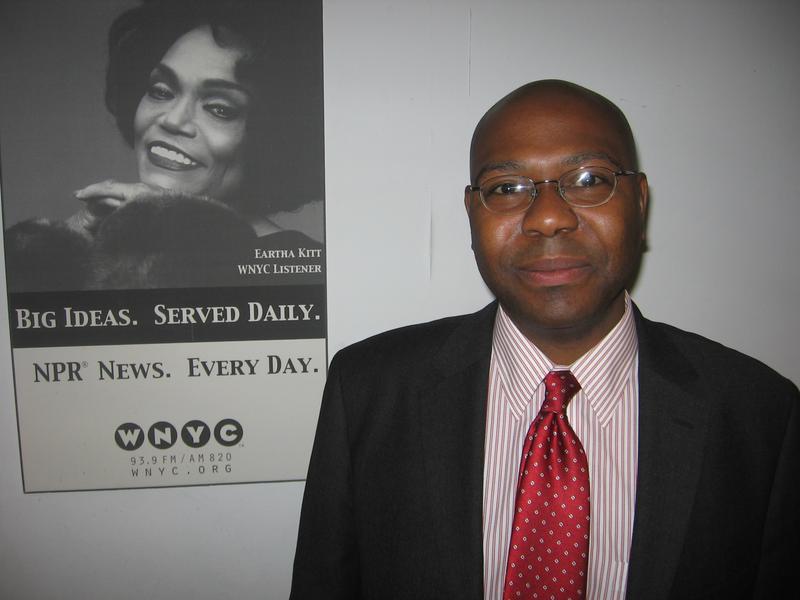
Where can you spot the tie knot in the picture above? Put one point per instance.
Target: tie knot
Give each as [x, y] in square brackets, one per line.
[559, 388]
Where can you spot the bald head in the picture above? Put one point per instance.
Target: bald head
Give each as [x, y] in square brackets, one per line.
[554, 102]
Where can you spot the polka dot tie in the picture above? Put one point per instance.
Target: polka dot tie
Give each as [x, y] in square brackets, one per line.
[549, 548]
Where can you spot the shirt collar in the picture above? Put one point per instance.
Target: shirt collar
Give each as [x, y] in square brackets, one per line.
[602, 371]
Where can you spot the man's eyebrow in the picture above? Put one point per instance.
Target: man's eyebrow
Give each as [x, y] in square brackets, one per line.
[577, 159]
[569, 161]
[506, 165]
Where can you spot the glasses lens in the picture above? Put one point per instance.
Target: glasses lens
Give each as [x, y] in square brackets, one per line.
[590, 186]
[507, 194]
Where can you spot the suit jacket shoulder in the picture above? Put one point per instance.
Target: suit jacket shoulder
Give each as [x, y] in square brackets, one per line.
[402, 352]
[725, 371]
[392, 507]
[717, 490]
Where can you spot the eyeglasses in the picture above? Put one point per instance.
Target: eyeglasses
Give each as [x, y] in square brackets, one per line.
[583, 188]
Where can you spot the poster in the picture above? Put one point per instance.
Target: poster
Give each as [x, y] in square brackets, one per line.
[162, 186]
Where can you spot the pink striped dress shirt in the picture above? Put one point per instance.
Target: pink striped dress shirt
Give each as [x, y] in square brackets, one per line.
[604, 415]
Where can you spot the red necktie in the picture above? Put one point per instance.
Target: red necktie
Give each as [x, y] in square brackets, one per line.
[549, 548]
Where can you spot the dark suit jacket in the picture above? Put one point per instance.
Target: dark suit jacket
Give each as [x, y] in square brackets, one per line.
[393, 501]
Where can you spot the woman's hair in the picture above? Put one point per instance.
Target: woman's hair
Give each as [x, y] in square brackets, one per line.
[281, 63]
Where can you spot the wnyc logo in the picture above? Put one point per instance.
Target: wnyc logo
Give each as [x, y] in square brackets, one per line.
[163, 435]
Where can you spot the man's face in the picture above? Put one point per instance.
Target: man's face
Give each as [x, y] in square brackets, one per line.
[556, 269]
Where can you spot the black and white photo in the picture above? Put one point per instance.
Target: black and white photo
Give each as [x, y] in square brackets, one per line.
[163, 212]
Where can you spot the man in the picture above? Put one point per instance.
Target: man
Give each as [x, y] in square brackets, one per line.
[681, 457]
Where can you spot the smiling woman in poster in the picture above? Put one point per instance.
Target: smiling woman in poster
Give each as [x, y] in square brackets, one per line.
[192, 88]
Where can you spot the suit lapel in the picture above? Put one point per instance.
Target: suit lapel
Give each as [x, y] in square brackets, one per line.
[452, 410]
[673, 419]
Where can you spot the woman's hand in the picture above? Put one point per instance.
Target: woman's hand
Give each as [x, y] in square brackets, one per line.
[102, 199]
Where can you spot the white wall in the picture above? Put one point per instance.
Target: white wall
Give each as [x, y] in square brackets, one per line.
[711, 89]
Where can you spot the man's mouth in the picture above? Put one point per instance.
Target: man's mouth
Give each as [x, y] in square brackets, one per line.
[555, 271]
[169, 157]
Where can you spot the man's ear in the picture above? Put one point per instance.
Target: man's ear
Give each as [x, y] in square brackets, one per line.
[469, 198]
[468, 194]
[643, 193]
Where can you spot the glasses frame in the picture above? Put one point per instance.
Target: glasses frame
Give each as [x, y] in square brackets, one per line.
[535, 194]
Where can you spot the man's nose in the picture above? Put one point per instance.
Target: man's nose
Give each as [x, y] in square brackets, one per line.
[549, 214]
